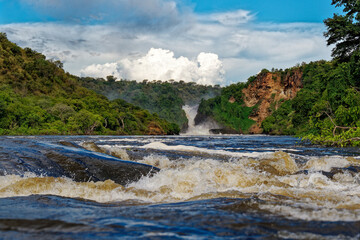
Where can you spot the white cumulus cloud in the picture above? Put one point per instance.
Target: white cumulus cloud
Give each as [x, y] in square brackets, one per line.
[102, 70]
[161, 64]
[244, 45]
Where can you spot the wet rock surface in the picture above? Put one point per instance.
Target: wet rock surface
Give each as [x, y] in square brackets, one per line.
[19, 156]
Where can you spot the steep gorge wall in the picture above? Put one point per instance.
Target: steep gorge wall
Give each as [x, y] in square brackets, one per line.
[268, 91]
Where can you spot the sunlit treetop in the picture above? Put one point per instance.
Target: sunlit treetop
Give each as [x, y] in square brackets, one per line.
[344, 30]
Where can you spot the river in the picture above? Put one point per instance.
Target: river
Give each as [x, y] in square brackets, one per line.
[184, 187]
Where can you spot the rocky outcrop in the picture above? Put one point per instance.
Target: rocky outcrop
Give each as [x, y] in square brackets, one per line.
[225, 130]
[268, 91]
[155, 129]
[21, 155]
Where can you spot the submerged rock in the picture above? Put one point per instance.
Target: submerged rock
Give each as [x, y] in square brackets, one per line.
[23, 155]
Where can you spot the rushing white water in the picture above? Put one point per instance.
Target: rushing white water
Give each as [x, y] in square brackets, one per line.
[307, 187]
[201, 129]
[272, 177]
[192, 149]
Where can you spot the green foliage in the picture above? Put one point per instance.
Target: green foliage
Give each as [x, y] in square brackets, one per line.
[163, 98]
[327, 109]
[280, 122]
[229, 108]
[38, 97]
[251, 79]
[344, 30]
[233, 115]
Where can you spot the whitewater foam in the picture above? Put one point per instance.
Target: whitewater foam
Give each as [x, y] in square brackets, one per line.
[327, 163]
[184, 148]
[276, 178]
[200, 129]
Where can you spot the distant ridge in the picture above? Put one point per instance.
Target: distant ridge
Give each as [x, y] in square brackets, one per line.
[38, 97]
[166, 99]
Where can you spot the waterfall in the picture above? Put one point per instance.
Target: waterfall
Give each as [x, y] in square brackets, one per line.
[201, 129]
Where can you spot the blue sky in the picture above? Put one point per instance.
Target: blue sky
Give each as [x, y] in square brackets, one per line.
[274, 10]
[265, 10]
[206, 41]
[14, 11]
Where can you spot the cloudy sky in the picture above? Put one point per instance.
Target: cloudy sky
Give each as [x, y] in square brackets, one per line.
[205, 41]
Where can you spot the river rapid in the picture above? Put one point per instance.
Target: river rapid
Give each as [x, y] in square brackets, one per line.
[177, 187]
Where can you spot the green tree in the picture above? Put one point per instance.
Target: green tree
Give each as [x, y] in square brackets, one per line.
[38, 97]
[344, 30]
[111, 79]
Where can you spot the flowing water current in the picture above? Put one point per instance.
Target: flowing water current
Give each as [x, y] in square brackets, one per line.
[177, 187]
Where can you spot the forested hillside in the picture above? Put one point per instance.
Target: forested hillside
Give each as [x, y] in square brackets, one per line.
[163, 98]
[326, 105]
[243, 106]
[228, 109]
[38, 97]
[327, 110]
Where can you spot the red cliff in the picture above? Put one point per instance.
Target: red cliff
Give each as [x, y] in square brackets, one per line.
[268, 91]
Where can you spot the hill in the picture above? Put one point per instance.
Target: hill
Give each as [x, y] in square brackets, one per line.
[242, 107]
[327, 109]
[38, 97]
[319, 101]
[163, 98]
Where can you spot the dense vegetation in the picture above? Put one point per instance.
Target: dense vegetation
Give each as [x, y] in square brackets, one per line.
[163, 98]
[38, 97]
[231, 114]
[327, 110]
[344, 30]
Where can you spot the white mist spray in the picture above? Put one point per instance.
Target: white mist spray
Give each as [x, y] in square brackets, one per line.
[201, 129]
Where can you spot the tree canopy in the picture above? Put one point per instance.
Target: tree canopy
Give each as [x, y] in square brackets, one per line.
[38, 97]
[344, 30]
[166, 99]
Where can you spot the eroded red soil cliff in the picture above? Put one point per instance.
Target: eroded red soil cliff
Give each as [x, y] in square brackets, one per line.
[268, 92]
